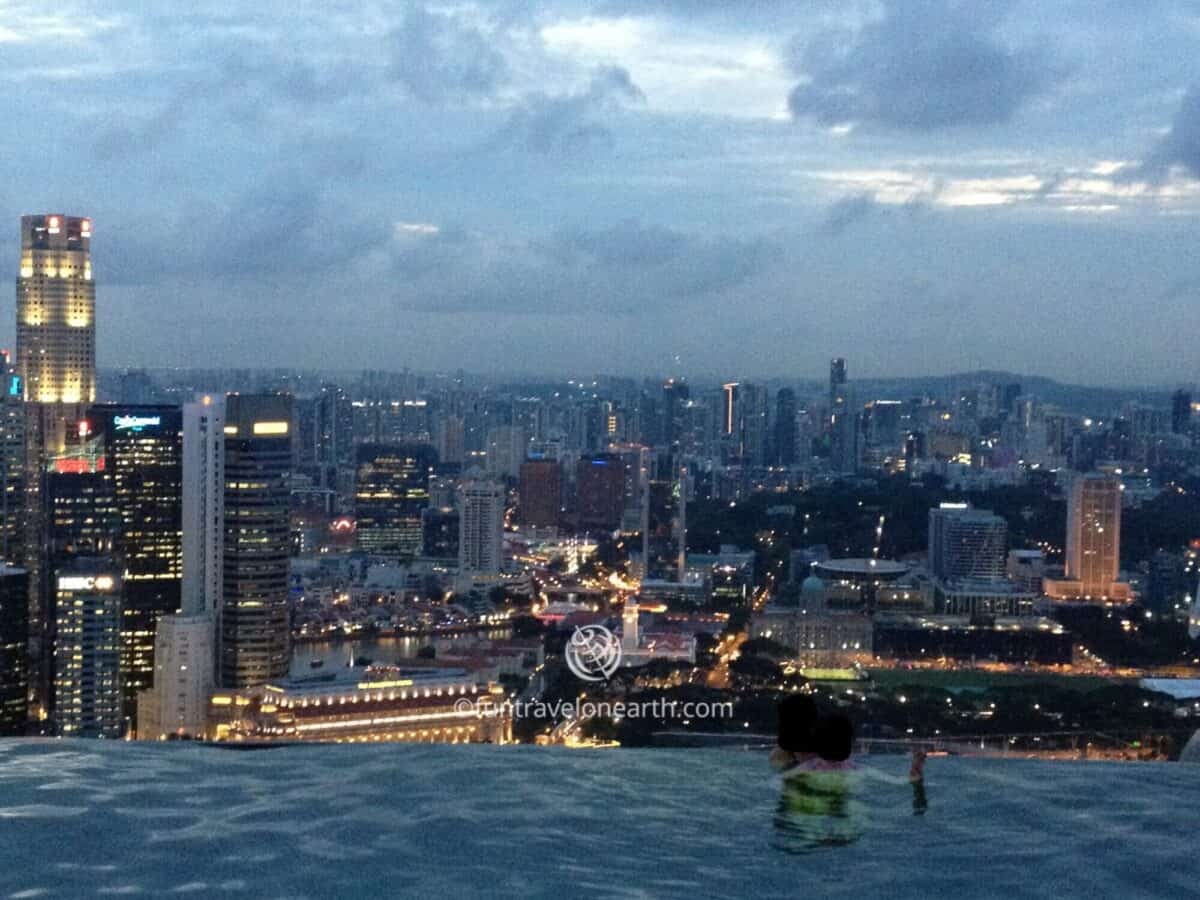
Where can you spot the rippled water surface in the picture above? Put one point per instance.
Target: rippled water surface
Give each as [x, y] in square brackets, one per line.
[93, 819]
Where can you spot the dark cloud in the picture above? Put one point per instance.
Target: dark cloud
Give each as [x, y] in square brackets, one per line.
[846, 211]
[843, 214]
[624, 269]
[281, 231]
[1181, 145]
[438, 58]
[570, 123]
[928, 64]
[234, 84]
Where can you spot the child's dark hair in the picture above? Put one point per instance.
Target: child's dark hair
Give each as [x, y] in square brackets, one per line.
[797, 719]
[833, 738]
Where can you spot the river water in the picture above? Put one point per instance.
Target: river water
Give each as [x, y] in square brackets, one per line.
[335, 654]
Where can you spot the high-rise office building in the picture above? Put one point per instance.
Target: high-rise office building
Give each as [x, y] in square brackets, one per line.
[450, 435]
[391, 492]
[14, 658]
[1093, 557]
[729, 408]
[600, 491]
[79, 518]
[255, 629]
[334, 427]
[203, 508]
[837, 384]
[143, 453]
[12, 466]
[506, 446]
[785, 427]
[967, 543]
[56, 375]
[56, 310]
[87, 649]
[540, 493]
[1181, 412]
[675, 397]
[177, 703]
[843, 421]
[481, 527]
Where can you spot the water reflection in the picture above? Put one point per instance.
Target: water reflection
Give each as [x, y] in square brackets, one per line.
[309, 658]
[817, 810]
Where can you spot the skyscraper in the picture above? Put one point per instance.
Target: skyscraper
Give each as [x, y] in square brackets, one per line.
[255, 629]
[481, 527]
[335, 427]
[506, 446]
[12, 467]
[837, 384]
[56, 310]
[56, 374]
[1093, 542]
[1181, 412]
[785, 427]
[541, 493]
[729, 408]
[14, 661]
[600, 491]
[143, 453]
[87, 649]
[203, 504]
[843, 422]
[966, 543]
[392, 490]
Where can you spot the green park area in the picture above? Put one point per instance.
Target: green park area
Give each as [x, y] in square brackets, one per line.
[975, 679]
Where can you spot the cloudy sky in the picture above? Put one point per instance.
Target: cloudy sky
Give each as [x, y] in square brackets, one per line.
[696, 186]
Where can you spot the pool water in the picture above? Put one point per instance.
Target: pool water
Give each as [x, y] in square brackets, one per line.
[86, 818]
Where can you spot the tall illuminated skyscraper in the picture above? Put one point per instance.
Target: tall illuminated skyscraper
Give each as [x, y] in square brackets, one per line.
[391, 491]
[56, 310]
[87, 649]
[1093, 542]
[143, 448]
[56, 374]
[254, 636]
[14, 661]
[12, 466]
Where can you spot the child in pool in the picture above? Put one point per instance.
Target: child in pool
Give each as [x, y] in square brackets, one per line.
[797, 720]
[816, 806]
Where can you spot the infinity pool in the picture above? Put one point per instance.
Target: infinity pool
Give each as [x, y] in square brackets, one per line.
[93, 819]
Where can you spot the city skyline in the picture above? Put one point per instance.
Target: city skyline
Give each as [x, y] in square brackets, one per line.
[618, 185]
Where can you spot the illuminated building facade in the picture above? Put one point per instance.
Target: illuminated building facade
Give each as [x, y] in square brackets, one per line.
[255, 630]
[392, 490]
[967, 543]
[1093, 543]
[56, 310]
[87, 649]
[177, 703]
[377, 705]
[480, 527]
[56, 375]
[14, 659]
[12, 466]
[143, 454]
